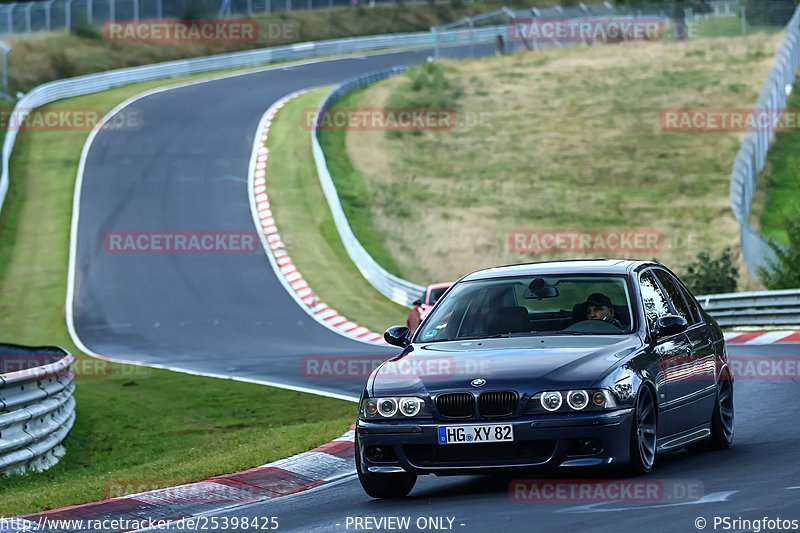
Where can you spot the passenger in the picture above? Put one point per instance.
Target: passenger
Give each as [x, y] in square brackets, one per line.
[599, 307]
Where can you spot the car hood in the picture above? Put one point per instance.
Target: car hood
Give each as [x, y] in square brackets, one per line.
[521, 364]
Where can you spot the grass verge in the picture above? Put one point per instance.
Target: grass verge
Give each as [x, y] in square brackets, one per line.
[778, 192]
[137, 426]
[563, 139]
[307, 228]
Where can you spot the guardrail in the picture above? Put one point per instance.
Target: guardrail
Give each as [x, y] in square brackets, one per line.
[752, 156]
[92, 83]
[37, 408]
[765, 308]
[396, 289]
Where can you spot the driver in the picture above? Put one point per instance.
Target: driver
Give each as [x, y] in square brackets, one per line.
[599, 307]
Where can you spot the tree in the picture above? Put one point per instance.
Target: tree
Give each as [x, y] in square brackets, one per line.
[712, 275]
[784, 271]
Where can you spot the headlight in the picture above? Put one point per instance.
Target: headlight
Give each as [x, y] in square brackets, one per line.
[410, 406]
[387, 407]
[551, 401]
[394, 408]
[576, 400]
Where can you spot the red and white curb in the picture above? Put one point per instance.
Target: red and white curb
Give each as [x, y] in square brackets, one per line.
[274, 246]
[325, 464]
[762, 337]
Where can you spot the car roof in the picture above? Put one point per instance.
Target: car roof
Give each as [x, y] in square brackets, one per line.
[440, 285]
[575, 266]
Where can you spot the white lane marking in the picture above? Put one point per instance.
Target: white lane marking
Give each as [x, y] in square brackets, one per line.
[714, 497]
[769, 337]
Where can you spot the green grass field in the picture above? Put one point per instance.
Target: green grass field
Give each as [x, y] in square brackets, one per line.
[306, 226]
[134, 425]
[561, 139]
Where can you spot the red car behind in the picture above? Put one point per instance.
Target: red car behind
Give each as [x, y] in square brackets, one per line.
[422, 307]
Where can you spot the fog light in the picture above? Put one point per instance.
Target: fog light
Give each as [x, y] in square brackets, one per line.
[375, 454]
[590, 446]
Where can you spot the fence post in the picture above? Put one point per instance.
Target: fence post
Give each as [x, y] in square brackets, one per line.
[28, 8]
[136, 10]
[68, 14]
[89, 13]
[112, 10]
[744, 19]
[10, 18]
[288, 5]
[159, 9]
[48, 19]
[5, 50]
[267, 6]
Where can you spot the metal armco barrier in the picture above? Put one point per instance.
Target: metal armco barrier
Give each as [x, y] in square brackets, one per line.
[37, 409]
[766, 308]
[396, 289]
[752, 155]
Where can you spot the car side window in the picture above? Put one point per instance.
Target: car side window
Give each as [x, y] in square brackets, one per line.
[694, 307]
[675, 295]
[653, 300]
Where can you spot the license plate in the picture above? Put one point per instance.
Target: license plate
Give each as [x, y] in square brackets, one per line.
[476, 434]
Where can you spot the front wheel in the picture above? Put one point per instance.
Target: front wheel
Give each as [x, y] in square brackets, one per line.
[383, 486]
[643, 434]
[722, 418]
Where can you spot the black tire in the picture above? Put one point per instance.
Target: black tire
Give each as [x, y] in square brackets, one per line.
[384, 486]
[722, 419]
[644, 431]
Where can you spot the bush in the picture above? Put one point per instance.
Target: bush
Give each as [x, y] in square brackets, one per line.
[711, 275]
[784, 272]
[85, 31]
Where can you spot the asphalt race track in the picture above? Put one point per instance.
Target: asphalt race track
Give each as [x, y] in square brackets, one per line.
[229, 314]
[185, 169]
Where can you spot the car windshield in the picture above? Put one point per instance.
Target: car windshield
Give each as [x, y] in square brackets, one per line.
[529, 306]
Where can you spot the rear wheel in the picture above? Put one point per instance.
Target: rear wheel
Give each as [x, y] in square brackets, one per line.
[722, 419]
[384, 485]
[643, 434]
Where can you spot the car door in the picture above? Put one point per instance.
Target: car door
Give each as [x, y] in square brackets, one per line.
[674, 353]
[691, 407]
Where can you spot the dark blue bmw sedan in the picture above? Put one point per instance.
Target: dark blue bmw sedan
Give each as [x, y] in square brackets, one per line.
[601, 363]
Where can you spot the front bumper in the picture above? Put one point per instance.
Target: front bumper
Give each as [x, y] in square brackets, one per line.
[539, 442]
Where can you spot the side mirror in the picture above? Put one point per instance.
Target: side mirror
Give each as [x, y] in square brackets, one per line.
[670, 325]
[418, 301]
[397, 336]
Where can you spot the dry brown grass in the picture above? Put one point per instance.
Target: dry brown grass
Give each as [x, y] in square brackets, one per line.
[567, 139]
